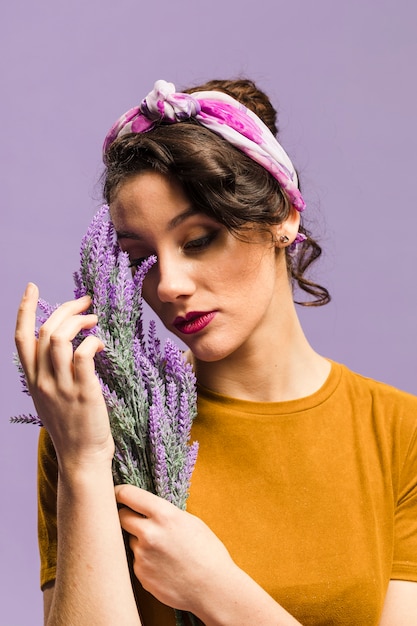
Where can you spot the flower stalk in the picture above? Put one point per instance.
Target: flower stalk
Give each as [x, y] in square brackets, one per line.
[149, 389]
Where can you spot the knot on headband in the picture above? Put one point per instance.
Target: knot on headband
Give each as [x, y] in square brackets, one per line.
[163, 103]
[221, 114]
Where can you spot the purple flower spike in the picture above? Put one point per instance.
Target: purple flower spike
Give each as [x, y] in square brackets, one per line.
[149, 391]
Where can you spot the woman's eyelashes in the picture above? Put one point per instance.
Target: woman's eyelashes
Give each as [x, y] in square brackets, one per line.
[201, 243]
[193, 246]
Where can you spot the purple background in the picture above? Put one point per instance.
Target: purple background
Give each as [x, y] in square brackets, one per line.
[343, 77]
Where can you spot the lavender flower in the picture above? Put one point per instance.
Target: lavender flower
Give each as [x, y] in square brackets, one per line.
[149, 390]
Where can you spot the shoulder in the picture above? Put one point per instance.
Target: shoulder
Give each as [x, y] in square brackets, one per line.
[379, 391]
[394, 408]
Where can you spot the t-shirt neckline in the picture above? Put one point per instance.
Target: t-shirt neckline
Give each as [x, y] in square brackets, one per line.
[275, 408]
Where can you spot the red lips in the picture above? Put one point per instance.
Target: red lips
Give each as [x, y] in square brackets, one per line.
[194, 321]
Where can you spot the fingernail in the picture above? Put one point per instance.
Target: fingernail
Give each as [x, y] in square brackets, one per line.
[30, 289]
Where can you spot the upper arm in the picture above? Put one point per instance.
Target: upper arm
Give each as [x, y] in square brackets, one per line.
[400, 607]
[48, 595]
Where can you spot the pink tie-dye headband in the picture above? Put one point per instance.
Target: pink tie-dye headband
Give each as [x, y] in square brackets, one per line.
[221, 114]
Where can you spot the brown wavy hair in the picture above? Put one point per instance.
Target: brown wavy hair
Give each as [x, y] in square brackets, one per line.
[217, 177]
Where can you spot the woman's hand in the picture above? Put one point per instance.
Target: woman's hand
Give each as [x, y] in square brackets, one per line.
[177, 557]
[63, 384]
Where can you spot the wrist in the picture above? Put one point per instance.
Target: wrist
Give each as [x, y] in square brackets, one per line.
[85, 468]
[215, 599]
[235, 599]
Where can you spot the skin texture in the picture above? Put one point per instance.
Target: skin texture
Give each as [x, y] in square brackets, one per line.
[201, 267]
[192, 258]
[92, 584]
[184, 564]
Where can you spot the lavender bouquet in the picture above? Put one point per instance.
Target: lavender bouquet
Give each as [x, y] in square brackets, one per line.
[149, 390]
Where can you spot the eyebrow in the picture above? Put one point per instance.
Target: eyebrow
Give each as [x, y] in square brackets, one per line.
[176, 221]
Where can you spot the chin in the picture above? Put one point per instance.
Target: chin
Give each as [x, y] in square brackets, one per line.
[210, 353]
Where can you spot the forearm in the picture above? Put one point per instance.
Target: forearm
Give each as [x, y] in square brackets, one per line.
[92, 582]
[184, 564]
[234, 599]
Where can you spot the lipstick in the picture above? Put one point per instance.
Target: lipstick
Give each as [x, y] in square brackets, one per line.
[194, 321]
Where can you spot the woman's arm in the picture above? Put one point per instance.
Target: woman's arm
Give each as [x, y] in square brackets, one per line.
[181, 562]
[48, 596]
[92, 581]
[400, 608]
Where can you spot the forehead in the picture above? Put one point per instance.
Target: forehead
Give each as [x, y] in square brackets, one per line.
[148, 196]
[151, 205]
[149, 186]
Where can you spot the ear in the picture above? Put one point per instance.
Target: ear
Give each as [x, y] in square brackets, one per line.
[286, 232]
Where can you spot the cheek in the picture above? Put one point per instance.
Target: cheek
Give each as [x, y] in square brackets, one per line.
[149, 293]
[248, 268]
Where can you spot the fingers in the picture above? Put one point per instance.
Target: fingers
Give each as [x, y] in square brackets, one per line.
[141, 501]
[52, 353]
[25, 329]
[62, 315]
[84, 367]
[55, 347]
[132, 522]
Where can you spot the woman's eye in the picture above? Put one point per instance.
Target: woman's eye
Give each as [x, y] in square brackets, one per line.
[200, 243]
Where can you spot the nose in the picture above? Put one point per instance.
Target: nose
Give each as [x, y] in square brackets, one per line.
[175, 280]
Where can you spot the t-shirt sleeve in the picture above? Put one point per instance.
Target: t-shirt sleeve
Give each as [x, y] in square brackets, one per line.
[405, 538]
[47, 507]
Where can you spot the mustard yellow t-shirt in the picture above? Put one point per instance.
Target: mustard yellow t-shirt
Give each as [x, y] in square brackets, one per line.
[316, 499]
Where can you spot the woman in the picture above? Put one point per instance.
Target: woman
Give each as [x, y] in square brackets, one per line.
[303, 503]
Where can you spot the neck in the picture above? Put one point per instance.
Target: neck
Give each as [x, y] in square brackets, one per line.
[287, 368]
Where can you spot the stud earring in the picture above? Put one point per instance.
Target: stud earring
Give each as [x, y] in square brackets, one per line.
[284, 239]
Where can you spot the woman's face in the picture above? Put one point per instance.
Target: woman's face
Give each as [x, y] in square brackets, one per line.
[217, 293]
